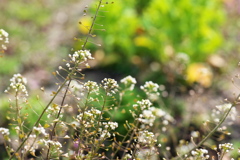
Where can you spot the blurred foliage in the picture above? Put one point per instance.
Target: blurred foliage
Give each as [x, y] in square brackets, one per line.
[149, 35]
[36, 31]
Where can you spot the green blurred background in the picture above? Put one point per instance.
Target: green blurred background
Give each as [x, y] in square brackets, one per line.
[182, 44]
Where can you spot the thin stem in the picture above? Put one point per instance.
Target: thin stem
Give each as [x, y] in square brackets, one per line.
[221, 156]
[39, 118]
[82, 122]
[93, 22]
[210, 133]
[19, 121]
[55, 124]
[131, 137]
[98, 126]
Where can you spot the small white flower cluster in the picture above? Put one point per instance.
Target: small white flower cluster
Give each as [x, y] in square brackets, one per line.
[3, 39]
[80, 56]
[148, 153]
[143, 104]
[200, 153]
[150, 114]
[52, 110]
[226, 147]
[127, 157]
[151, 89]
[146, 137]
[88, 118]
[77, 89]
[104, 133]
[39, 130]
[111, 125]
[221, 109]
[110, 86]
[4, 131]
[18, 83]
[55, 145]
[129, 82]
[147, 117]
[224, 107]
[92, 87]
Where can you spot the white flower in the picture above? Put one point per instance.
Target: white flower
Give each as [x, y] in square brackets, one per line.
[146, 137]
[39, 130]
[81, 56]
[112, 125]
[18, 82]
[200, 153]
[151, 89]
[226, 147]
[4, 131]
[224, 107]
[144, 104]
[129, 82]
[110, 86]
[3, 39]
[91, 86]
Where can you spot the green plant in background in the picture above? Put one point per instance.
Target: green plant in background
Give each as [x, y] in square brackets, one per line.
[79, 119]
[160, 36]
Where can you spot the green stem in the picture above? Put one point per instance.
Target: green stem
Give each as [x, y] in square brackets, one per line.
[93, 22]
[55, 124]
[96, 148]
[131, 138]
[39, 118]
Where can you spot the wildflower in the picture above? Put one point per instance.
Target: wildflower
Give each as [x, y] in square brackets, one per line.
[226, 147]
[151, 89]
[127, 157]
[18, 83]
[77, 88]
[39, 130]
[53, 110]
[129, 82]
[147, 117]
[91, 86]
[110, 86]
[3, 39]
[4, 131]
[55, 145]
[105, 134]
[224, 107]
[112, 125]
[150, 153]
[146, 138]
[221, 109]
[90, 115]
[200, 153]
[81, 56]
[195, 134]
[144, 104]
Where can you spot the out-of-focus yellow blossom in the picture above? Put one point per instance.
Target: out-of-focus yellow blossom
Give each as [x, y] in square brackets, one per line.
[200, 73]
[84, 24]
[143, 41]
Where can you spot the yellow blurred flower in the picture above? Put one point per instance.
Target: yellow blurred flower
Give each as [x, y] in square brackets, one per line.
[200, 73]
[142, 41]
[84, 24]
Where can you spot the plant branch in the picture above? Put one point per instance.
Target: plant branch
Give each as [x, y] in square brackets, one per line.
[210, 133]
